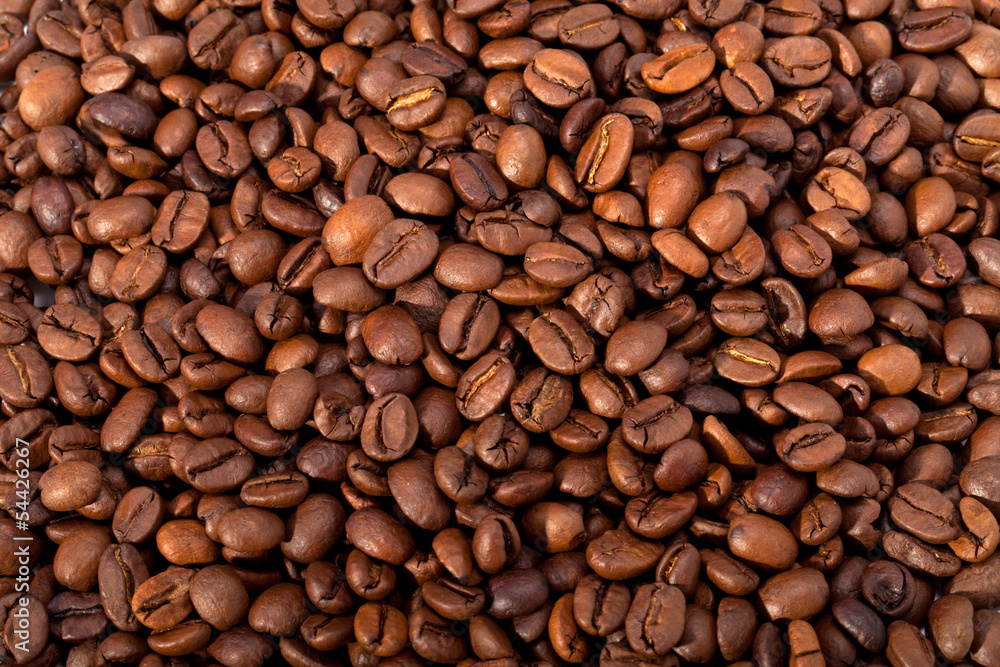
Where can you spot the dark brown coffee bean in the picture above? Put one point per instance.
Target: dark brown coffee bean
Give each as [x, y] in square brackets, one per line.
[934, 30]
[801, 251]
[560, 343]
[139, 274]
[151, 353]
[230, 333]
[762, 542]
[812, 447]
[558, 78]
[477, 183]
[797, 62]
[379, 535]
[217, 464]
[679, 69]
[390, 428]
[34, 632]
[121, 571]
[496, 543]
[655, 423]
[619, 554]
[794, 594]
[399, 252]
[25, 380]
[223, 148]
[468, 325]
[880, 135]
[602, 159]
[213, 41]
[951, 624]
[162, 601]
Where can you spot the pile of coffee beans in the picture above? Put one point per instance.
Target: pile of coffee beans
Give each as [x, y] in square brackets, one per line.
[634, 333]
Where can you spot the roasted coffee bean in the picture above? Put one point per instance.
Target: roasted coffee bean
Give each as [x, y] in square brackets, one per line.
[655, 618]
[655, 423]
[558, 78]
[138, 515]
[797, 61]
[748, 88]
[151, 353]
[229, 333]
[380, 536]
[762, 541]
[811, 447]
[399, 252]
[219, 596]
[31, 643]
[919, 510]
[664, 305]
[747, 362]
[603, 157]
[121, 571]
[794, 594]
[934, 30]
[25, 380]
[216, 465]
[477, 183]
[212, 42]
[162, 601]
[619, 554]
[390, 428]
[679, 69]
[70, 486]
[950, 620]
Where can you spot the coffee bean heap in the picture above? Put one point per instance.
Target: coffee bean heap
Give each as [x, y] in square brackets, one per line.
[641, 333]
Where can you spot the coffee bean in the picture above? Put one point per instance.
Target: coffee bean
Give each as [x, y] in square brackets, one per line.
[25, 380]
[748, 88]
[217, 464]
[162, 600]
[934, 30]
[138, 515]
[747, 362]
[121, 571]
[762, 541]
[951, 624]
[213, 40]
[224, 149]
[229, 333]
[558, 78]
[920, 511]
[603, 157]
[35, 630]
[477, 183]
[70, 486]
[812, 446]
[679, 69]
[655, 423]
[618, 554]
[888, 587]
[390, 428]
[219, 596]
[936, 260]
[379, 535]
[880, 135]
[399, 252]
[794, 594]
[905, 642]
[151, 353]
